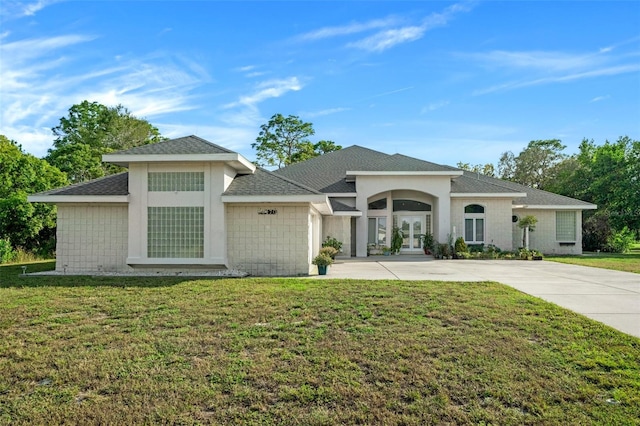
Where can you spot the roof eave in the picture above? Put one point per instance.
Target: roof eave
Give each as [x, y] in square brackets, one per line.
[451, 173]
[235, 160]
[59, 199]
[556, 206]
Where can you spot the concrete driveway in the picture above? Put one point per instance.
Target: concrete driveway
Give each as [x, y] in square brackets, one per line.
[611, 297]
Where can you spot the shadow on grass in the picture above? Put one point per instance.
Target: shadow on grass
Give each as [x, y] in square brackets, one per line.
[12, 276]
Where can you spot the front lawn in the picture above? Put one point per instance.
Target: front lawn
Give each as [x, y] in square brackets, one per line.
[628, 262]
[81, 350]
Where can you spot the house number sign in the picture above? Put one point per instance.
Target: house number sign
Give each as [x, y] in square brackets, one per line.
[267, 211]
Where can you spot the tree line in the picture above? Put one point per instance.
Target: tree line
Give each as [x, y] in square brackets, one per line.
[607, 175]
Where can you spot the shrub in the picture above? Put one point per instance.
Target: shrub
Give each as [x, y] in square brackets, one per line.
[596, 231]
[332, 242]
[461, 246]
[322, 260]
[463, 255]
[7, 253]
[329, 251]
[620, 242]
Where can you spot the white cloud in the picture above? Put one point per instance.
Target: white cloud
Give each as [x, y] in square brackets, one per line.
[40, 83]
[324, 112]
[266, 90]
[14, 9]
[539, 60]
[599, 98]
[434, 106]
[600, 72]
[352, 28]
[389, 38]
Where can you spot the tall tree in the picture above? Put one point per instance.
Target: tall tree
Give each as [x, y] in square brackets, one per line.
[92, 129]
[25, 224]
[534, 166]
[285, 140]
[484, 169]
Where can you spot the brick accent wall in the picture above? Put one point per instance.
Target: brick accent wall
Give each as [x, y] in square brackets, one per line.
[269, 244]
[92, 238]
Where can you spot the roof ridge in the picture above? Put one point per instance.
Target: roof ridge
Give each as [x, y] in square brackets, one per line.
[467, 173]
[207, 142]
[397, 154]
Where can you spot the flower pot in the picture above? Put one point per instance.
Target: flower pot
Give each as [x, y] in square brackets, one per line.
[322, 269]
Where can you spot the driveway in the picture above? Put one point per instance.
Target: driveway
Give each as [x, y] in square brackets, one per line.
[611, 297]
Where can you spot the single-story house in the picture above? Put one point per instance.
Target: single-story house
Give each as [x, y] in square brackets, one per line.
[188, 203]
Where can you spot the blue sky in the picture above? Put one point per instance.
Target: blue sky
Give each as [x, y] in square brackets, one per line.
[441, 81]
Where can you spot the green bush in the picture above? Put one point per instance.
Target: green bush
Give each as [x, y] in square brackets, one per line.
[461, 246]
[7, 253]
[332, 242]
[620, 242]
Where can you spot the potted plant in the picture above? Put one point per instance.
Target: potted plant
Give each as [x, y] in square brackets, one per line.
[427, 243]
[396, 240]
[329, 251]
[332, 242]
[386, 251]
[322, 261]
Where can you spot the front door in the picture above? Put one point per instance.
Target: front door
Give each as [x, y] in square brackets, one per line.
[412, 228]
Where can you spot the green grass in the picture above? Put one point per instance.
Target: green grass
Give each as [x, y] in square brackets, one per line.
[82, 350]
[628, 262]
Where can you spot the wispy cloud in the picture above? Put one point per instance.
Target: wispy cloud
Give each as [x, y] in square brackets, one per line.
[323, 112]
[391, 31]
[266, 90]
[41, 80]
[352, 28]
[15, 9]
[600, 98]
[601, 72]
[536, 68]
[434, 106]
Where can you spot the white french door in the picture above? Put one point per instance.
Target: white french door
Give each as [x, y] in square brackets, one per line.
[412, 228]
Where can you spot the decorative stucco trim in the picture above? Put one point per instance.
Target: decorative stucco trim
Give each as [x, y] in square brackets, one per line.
[403, 173]
[349, 213]
[320, 201]
[488, 195]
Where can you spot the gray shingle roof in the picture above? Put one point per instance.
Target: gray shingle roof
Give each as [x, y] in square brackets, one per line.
[264, 182]
[179, 146]
[117, 184]
[403, 163]
[327, 173]
[534, 196]
[337, 206]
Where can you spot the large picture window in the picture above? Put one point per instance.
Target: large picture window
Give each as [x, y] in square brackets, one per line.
[175, 232]
[565, 226]
[176, 181]
[377, 231]
[474, 218]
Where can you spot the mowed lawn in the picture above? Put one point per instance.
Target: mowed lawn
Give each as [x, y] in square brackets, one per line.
[82, 350]
[628, 262]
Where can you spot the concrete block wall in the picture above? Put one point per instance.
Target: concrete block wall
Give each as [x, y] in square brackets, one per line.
[338, 227]
[543, 238]
[92, 238]
[498, 212]
[269, 244]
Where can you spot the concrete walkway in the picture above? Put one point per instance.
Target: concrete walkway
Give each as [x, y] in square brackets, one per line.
[611, 297]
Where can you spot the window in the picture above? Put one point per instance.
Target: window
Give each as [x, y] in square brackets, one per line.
[380, 204]
[410, 206]
[565, 226]
[176, 181]
[474, 224]
[175, 232]
[377, 231]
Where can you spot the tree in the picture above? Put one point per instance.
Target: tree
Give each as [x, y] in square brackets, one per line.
[284, 140]
[527, 224]
[92, 129]
[484, 169]
[534, 166]
[27, 225]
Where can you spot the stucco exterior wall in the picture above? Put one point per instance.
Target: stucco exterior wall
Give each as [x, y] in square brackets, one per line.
[544, 237]
[438, 187]
[91, 238]
[498, 212]
[338, 227]
[270, 244]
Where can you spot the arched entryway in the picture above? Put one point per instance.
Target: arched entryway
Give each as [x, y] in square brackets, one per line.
[409, 211]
